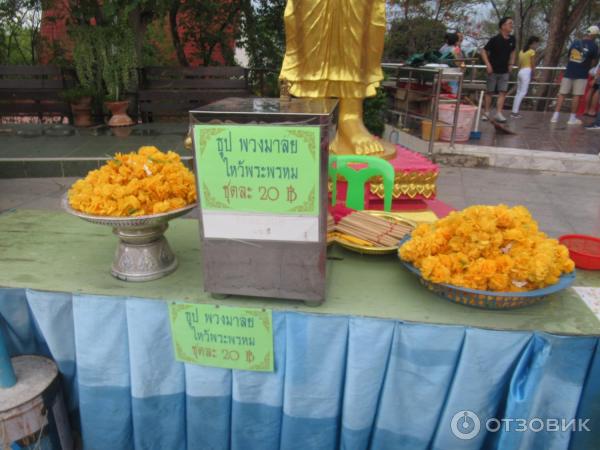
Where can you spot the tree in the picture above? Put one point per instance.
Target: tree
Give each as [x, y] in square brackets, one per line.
[20, 39]
[263, 39]
[413, 35]
[199, 27]
[565, 16]
[140, 15]
[541, 16]
[208, 25]
[523, 13]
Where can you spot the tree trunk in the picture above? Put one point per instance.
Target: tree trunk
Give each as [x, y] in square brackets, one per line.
[563, 21]
[518, 24]
[179, 50]
[139, 31]
[33, 47]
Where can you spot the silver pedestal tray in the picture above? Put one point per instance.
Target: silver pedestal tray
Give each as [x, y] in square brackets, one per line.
[143, 253]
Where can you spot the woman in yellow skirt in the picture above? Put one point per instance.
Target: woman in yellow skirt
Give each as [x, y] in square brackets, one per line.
[333, 49]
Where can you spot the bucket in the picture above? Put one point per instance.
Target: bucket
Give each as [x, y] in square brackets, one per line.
[32, 412]
[466, 117]
[426, 130]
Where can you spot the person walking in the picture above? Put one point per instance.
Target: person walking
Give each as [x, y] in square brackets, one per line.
[582, 56]
[499, 56]
[594, 96]
[526, 73]
[595, 126]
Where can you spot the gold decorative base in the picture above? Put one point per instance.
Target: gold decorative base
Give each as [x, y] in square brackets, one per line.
[418, 184]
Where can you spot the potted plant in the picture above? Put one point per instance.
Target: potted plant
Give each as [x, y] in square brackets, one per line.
[105, 60]
[87, 70]
[116, 49]
[80, 99]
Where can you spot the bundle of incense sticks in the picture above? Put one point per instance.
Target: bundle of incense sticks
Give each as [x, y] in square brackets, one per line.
[330, 223]
[379, 232]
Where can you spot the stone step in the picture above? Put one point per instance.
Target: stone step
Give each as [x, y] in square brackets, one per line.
[56, 167]
[470, 154]
[39, 151]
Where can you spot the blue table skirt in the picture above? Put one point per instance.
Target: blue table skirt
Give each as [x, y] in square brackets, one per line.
[340, 382]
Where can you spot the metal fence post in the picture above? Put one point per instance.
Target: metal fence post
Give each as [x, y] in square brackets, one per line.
[434, 119]
[456, 111]
[7, 373]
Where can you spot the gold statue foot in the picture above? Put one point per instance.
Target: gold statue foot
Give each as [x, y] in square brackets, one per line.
[353, 137]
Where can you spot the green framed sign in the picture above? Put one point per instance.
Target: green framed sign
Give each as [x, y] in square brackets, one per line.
[219, 336]
[270, 169]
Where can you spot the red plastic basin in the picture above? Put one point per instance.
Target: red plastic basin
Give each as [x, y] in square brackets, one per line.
[584, 250]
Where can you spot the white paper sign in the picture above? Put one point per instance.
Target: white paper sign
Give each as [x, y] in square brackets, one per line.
[591, 297]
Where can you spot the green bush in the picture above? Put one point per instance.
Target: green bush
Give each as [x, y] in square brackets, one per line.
[116, 48]
[374, 112]
[105, 59]
[76, 93]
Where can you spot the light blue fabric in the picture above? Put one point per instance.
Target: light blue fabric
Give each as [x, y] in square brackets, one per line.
[340, 382]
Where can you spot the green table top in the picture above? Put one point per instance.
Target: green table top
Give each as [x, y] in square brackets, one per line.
[53, 251]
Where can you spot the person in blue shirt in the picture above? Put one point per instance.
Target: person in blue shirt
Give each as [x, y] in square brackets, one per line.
[582, 56]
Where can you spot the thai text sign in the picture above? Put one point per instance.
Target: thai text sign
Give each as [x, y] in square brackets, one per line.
[231, 338]
[258, 168]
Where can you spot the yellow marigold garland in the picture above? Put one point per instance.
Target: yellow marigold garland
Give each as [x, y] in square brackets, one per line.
[495, 248]
[135, 184]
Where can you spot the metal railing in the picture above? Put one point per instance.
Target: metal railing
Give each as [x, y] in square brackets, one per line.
[475, 77]
[263, 81]
[475, 74]
[428, 83]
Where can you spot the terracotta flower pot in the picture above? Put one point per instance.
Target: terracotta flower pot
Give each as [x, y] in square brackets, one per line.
[82, 112]
[119, 116]
[121, 132]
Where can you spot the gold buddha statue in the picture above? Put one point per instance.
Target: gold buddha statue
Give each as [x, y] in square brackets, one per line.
[333, 49]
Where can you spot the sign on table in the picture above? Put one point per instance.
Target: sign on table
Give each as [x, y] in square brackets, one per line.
[591, 297]
[259, 181]
[258, 168]
[232, 338]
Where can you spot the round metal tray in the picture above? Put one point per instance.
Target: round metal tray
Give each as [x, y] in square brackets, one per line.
[127, 222]
[143, 253]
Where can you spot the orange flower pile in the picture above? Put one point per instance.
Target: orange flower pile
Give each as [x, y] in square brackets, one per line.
[493, 248]
[135, 184]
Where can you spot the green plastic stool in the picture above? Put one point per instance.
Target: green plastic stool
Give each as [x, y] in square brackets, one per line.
[356, 178]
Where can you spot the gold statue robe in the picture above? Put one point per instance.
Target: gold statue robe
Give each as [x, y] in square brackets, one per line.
[334, 47]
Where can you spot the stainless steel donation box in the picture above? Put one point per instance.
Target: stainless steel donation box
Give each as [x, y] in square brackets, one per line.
[261, 170]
